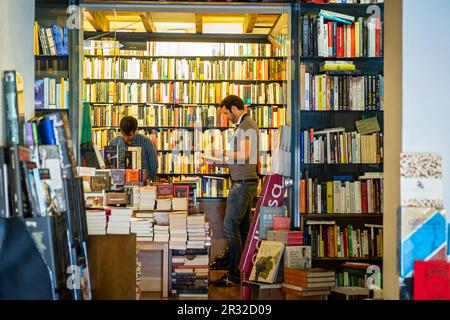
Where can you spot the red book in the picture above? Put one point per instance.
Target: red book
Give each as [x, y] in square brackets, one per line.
[377, 38]
[431, 280]
[364, 203]
[340, 42]
[281, 223]
[353, 49]
[330, 39]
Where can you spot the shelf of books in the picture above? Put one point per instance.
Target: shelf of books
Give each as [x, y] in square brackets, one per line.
[51, 50]
[175, 96]
[341, 134]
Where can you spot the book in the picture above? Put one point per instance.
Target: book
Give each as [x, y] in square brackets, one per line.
[111, 156]
[267, 215]
[267, 261]
[299, 257]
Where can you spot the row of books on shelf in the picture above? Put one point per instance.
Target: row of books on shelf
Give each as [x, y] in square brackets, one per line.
[329, 240]
[335, 145]
[355, 275]
[328, 92]
[175, 49]
[342, 195]
[176, 163]
[51, 93]
[188, 141]
[51, 40]
[183, 69]
[182, 92]
[183, 116]
[332, 34]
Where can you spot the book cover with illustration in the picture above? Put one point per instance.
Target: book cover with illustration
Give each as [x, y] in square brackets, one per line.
[267, 261]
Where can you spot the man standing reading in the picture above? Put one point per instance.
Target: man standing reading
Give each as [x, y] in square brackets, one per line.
[242, 162]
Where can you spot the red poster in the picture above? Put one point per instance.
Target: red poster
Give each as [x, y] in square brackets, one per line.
[431, 280]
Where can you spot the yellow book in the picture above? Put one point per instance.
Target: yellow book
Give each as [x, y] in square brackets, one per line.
[329, 187]
[62, 95]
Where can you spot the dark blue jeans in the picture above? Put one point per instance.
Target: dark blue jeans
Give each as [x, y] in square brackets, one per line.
[237, 221]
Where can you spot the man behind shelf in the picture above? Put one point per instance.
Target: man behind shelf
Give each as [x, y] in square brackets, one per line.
[242, 162]
[129, 138]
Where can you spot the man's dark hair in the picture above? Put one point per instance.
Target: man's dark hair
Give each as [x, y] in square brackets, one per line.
[232, 100]
[128, 124]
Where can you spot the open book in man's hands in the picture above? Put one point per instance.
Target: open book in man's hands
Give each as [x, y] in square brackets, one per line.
[211, 159]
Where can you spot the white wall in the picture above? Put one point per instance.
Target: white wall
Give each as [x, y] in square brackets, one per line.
[16, 53]
[426, 80]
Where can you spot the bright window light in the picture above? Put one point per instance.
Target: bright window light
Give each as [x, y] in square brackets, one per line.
[179, 27]
[233, 28]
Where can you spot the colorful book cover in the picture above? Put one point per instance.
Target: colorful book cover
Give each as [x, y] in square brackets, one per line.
[281, 223]
[298, 257]
[111, 156]
[118, 176]
[266, 220]
[421, 180]
[39, 94]
[431, 280]
[267, 261]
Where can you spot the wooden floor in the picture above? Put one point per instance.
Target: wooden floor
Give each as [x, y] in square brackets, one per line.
[215, 293]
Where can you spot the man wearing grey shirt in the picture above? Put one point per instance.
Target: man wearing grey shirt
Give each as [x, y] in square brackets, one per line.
[242, 162]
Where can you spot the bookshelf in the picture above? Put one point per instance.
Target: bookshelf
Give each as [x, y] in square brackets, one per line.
[332, 164]
[175, 96]
[51, 50]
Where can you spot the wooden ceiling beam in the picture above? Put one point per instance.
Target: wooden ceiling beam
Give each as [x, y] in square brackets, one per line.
[278, 26]
[249, 22]
[97, 20]
[198, 23]
[147, 21]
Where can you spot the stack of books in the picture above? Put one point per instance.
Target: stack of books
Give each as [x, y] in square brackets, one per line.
[180, 204]
[96, 222]
[143, 229]
[196, 228]
[178, 230]
[147, 198]
[161, 233]
[119, 221]
[150, 217]
[308, 283]
[161, 227]
[164, 204]
[190, 270]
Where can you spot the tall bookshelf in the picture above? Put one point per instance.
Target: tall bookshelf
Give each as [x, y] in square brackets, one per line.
[175, 93]
[51, 49]
[337, 99]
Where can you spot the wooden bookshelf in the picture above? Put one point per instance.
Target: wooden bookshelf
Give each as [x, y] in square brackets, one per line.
[142, 38]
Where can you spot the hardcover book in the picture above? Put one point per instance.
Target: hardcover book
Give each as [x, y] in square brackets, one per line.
[131, 176]
[164, 191]
[267, 218]
[267, 262]
[50, 159]
[298, 257]
[111, 157]
[39, 94]
[118, 176]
